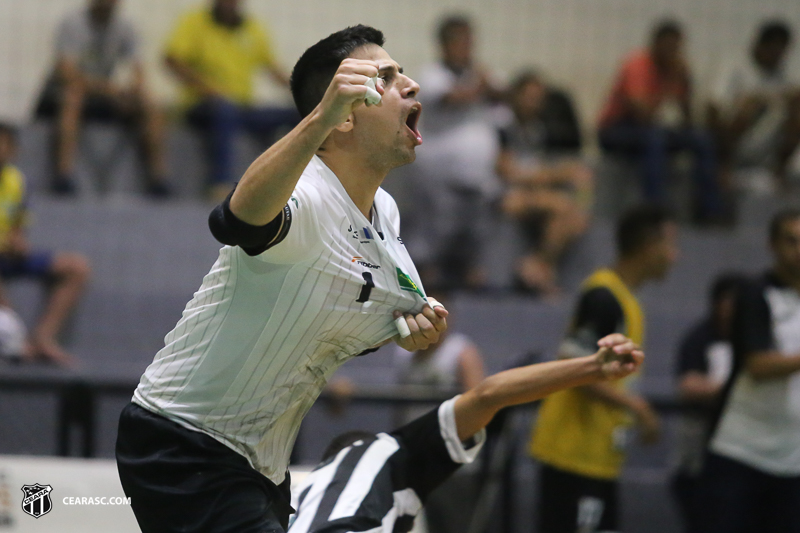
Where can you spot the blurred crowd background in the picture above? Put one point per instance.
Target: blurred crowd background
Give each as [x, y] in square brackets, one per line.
[123, 122]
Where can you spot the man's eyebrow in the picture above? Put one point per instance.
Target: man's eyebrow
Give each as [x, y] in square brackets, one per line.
[395, 68]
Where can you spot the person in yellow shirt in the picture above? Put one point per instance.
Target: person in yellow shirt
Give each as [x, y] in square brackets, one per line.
[64, 273]
[215, 54]
[579, 434]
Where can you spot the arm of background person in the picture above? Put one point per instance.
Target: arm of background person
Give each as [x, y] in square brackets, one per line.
[696, 387]
[753, 338]
[771, 364]
[71, 74]
[189, 77]
[617, 357]
[513, 173]
[278, 75]
[646, 417]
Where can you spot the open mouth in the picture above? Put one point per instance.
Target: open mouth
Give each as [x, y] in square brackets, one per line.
[413, 119]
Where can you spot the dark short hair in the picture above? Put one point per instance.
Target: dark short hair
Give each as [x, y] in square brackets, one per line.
[779, 219]
[774, 31]
[343, 441]
[450, 25]
[8, 129]
[640, 226]
[666, 28]
[524, 78]
[315, 69]
[725, 284]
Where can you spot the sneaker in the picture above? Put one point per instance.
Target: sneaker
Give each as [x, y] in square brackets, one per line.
[158, 190]
[63, 186]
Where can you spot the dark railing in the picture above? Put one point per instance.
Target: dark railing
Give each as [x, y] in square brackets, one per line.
[78, 397]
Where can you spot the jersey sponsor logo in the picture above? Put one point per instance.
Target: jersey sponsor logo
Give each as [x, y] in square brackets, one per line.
[360, 261]
[407, 284]
[36, 501]
[367, 233]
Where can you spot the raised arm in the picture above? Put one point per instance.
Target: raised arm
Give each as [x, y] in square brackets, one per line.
[270, 180]
[617, 357]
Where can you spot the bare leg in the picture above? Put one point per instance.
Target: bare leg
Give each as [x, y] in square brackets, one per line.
[150, 121]
[68, 125]
[565, 222]
[69, 274]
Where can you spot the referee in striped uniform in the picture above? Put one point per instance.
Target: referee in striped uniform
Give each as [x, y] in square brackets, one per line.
[378, 483]
[313, 272]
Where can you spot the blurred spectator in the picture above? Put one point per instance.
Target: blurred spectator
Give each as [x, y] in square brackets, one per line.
[215, 53]
[705, 361]
[92, 48]
[548, 188]
[751, 477]
[454, 364]
[63, 274]
[755, 111]
[456, 162]
[580, 434]
[648, 116]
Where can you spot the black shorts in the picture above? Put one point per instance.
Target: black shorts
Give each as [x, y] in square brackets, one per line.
[737, 498]
[34, 265]
[571, 502]
[184, 480]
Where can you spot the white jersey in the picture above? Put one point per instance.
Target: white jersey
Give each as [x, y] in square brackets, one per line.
[263, 334]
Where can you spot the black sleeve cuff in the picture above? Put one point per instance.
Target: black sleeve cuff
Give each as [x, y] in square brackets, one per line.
[254, 240]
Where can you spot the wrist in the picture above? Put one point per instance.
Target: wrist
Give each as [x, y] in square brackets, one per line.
[595, 365]
[638, 406]
[319, 121]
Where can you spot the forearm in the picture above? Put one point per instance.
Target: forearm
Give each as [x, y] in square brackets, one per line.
[72, 75]
[515, 174]
[771, 365]
[697, 388]
[612, 396]
[279, 75]
[476, 408]
[188, 76]
[268, 184]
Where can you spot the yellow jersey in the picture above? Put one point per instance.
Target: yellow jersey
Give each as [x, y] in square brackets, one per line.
[575, 432]
[225, 58]
[12, 201]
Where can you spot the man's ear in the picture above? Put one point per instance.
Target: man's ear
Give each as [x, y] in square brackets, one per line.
[347, 125]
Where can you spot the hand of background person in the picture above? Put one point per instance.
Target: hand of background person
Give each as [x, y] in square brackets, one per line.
[647, 421]
[425, 328]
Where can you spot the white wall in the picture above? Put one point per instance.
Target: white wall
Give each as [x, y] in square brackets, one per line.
[578, 43]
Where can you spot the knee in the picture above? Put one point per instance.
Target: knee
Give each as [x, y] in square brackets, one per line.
[72, 265]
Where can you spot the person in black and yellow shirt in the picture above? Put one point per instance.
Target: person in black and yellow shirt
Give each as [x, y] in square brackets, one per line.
[65, 274]
[579, 434]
